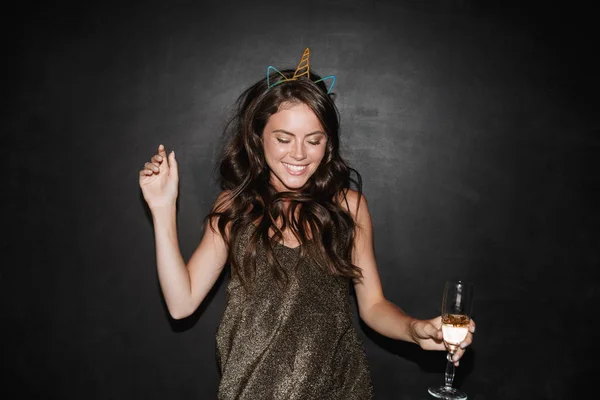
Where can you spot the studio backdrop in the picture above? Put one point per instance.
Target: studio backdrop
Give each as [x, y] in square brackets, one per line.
[475, 129]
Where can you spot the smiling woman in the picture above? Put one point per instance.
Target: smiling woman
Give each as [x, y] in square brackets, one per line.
[295, 228]
[293, 157]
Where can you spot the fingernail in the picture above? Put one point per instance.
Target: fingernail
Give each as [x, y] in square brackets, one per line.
[463, 345]
[455, 358]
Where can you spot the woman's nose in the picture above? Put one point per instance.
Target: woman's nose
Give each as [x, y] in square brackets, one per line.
[299, 152]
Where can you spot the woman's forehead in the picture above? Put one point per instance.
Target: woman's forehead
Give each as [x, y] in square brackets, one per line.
[296, 116]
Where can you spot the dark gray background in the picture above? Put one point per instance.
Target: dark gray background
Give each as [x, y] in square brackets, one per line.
[474, 124]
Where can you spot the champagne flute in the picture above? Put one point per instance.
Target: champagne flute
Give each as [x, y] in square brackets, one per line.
[457, 303]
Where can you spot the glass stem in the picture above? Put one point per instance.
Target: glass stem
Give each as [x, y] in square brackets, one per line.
[449, 374]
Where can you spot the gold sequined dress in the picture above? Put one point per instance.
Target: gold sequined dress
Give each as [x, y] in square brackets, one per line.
[295, 343]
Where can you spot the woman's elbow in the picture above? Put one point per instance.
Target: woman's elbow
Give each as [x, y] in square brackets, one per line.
[180, 312]
[370, 312]
[365, 315]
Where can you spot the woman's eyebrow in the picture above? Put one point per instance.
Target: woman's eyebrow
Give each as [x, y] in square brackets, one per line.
[291, 134]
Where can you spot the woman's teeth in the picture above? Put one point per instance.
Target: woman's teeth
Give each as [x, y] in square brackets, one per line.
[295, 168]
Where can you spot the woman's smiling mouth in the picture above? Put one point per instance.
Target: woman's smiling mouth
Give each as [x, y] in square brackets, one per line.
[295, 169]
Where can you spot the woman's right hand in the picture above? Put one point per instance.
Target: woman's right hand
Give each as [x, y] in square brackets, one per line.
[159, 180]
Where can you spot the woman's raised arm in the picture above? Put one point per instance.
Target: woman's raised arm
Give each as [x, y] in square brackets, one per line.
[184, 286]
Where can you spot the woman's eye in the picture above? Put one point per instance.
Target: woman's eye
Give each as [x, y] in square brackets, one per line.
[282, 140]
[315, 143]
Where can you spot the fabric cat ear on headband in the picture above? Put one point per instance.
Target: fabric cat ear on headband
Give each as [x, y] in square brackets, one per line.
[302, 70]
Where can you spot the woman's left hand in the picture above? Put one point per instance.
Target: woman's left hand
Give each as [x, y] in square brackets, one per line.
[428, 335]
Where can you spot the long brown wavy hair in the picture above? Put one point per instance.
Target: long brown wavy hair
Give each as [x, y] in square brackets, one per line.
[317, 214]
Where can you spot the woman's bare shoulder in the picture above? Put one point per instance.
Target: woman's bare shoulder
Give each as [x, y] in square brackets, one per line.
[352, 201]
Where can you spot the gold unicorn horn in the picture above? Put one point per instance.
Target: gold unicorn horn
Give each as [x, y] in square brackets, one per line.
[302, 69]
[303, 66]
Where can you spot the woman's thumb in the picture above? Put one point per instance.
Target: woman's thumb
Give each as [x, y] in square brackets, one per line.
[428, 330]
[174, 171]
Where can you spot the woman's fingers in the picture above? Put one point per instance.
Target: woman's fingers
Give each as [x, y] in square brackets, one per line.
[163, 154]
[152, 167]
[469, 339]
[173, 166]
[457, 356]
[159, 162]
[462, 348]
[155, 165]
[467, 342]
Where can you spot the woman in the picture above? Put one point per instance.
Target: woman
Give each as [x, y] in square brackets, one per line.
[295, 235]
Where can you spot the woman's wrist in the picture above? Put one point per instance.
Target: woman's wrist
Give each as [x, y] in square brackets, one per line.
[160, 214]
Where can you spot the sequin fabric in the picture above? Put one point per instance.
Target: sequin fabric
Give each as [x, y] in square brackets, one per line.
[295, 342]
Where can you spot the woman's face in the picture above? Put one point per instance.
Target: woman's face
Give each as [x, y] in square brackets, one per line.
[294, 144]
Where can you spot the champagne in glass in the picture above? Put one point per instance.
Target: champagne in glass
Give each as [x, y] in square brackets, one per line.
[457, 303]
[455, 328]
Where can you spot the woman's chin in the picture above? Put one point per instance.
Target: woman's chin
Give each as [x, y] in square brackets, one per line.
[291, 185]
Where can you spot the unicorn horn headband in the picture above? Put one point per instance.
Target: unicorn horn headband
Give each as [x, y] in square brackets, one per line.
[303, 69]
